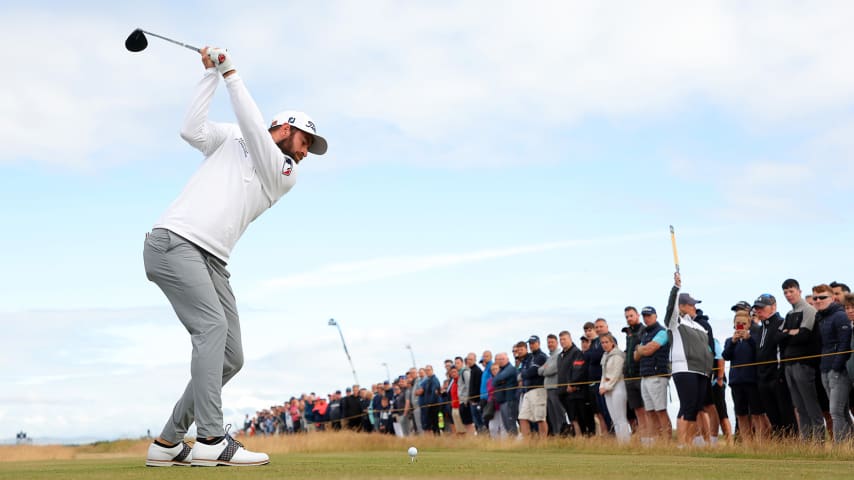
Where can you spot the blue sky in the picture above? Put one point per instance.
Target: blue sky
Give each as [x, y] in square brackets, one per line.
[495, 170]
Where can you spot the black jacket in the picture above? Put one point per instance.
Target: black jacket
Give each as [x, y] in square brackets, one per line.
[571, 368]
[351, 407]
[631, 368]
[770, 337]
[474, 384]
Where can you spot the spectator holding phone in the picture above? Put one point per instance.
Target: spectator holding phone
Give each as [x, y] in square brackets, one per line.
[740, 350]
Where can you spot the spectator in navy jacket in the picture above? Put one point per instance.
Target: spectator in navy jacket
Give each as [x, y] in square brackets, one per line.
[835, 339]
[740, 350]
[534, 399]
[505, 384]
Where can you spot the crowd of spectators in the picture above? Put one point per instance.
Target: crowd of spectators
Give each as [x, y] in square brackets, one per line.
[789, 376]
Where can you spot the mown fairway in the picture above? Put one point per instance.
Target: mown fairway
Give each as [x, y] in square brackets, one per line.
[370, 457]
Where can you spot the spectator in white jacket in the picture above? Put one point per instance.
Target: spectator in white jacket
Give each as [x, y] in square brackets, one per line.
[613, 386]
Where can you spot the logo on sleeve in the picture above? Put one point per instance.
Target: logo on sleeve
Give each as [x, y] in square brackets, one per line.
[287, 167]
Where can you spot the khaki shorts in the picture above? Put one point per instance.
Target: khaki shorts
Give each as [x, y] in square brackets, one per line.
[458, 420]
[654, 392]
[533, 406]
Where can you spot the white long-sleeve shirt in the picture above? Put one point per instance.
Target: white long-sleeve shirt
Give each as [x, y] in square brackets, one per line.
[243, 174]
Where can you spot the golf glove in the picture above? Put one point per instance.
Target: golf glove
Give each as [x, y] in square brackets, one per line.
[221, 59]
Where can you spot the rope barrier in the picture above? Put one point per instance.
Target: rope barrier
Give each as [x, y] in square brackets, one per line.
[580, 384]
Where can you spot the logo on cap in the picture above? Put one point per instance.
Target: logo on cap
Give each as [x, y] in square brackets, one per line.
[310, 125]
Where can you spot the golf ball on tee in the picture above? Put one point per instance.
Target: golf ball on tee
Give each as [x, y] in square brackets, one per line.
[413, 451]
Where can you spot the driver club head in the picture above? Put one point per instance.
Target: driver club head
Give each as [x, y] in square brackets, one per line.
[136, 41]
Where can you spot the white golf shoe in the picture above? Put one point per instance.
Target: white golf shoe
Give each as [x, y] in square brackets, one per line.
[229, 452]
[179, 455]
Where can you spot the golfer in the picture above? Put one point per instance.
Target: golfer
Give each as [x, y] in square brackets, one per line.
[247, 168]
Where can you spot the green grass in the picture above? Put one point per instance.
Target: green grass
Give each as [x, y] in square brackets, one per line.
[528, 463]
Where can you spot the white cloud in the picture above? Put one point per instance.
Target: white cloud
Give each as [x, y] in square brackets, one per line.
[795, 184]
[76, 97]
[424, 70]
[354, 272]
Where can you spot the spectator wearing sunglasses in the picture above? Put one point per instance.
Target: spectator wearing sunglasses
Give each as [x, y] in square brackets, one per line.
[835, 343]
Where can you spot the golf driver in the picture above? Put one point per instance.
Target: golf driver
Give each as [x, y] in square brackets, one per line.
[136, 41]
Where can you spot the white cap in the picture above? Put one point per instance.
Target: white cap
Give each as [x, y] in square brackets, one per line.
[303, 122]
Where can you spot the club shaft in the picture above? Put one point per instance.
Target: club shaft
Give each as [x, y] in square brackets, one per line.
[173, 41]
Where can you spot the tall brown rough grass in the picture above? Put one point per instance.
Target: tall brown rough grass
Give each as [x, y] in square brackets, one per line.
[340, 442]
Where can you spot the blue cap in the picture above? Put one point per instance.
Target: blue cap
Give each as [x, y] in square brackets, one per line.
[648, 311]
[764, 300]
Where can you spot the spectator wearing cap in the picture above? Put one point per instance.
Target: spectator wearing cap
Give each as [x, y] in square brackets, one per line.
[773, 390]
[555, 413]
[835, 346]
[593, 358]
[691, 359]
[710, 420]
[740, 350]
[653, 355]
[799, 350]
[505, 384]
[634, 397]
[532, 406]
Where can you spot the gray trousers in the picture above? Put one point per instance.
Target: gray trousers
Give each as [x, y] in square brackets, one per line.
[555, 413]
[196, 284]
[801, 380]
[837, 385]
[416, 413]
[509, 413]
